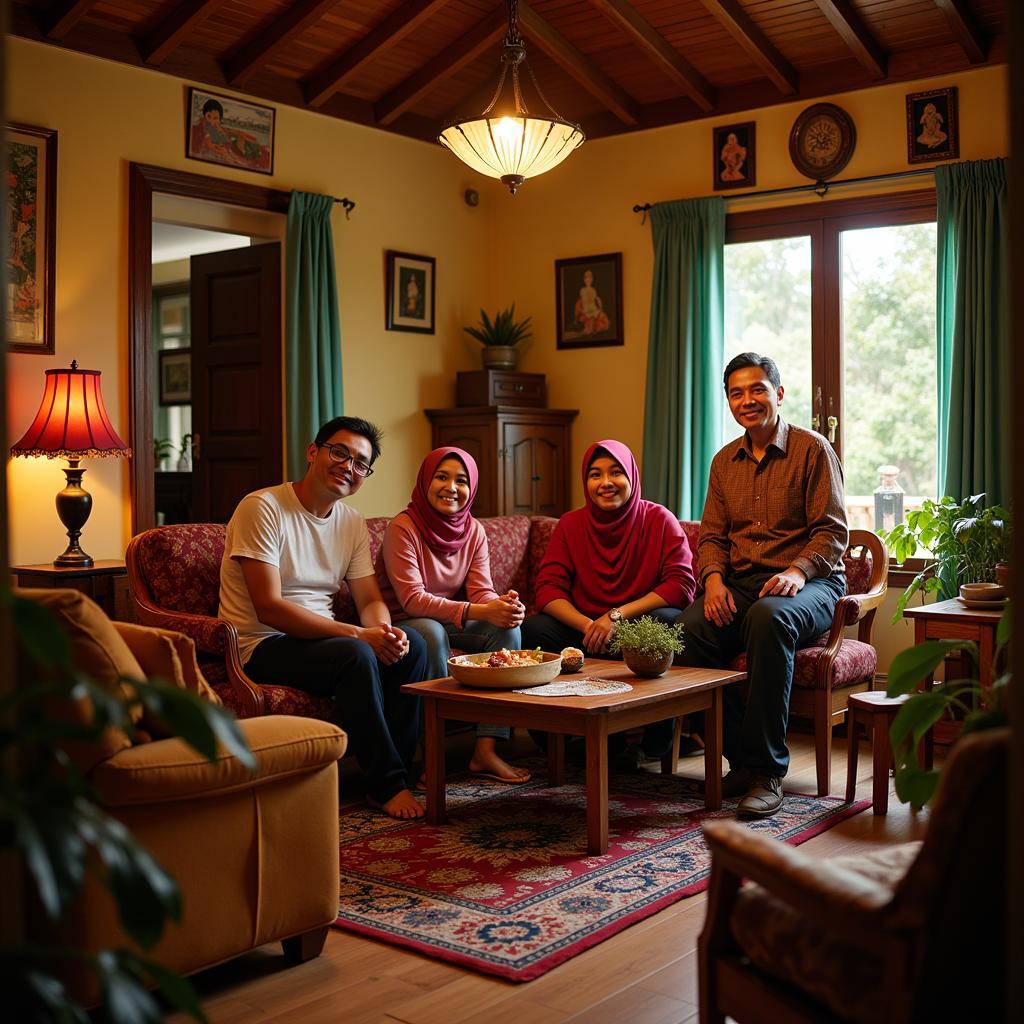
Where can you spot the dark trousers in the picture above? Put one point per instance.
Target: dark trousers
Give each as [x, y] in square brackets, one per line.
[383, 724]
[547, 633]
[769, 629]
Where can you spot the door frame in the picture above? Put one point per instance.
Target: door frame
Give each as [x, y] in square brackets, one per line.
[143, 181]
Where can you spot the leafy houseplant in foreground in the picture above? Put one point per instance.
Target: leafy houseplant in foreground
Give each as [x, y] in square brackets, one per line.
[51, 819]
[967, 541]
[982, 708]
[647, 644]
[500, 337]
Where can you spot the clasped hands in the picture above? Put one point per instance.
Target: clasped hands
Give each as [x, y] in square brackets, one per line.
[597, 634]
[505, 612]
[720, 607]
[389, 643]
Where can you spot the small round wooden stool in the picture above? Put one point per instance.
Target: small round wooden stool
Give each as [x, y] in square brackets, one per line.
[875, 711]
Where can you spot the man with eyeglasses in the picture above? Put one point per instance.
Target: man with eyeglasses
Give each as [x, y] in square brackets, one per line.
[287, 551]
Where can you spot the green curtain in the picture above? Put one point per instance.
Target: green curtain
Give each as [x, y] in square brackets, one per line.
[972, 328]
[685, 353]
[313, 392]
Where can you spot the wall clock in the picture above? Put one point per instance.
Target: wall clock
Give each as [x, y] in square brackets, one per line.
[822, 140]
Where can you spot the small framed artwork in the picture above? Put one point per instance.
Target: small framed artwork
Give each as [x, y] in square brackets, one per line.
[224, 130]
[31, 166]
[933, 126]
[409, 292]
[175, 376]
[588, 295]
[734, 152]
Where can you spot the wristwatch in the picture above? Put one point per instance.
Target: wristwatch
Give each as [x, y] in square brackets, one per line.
[615, 615]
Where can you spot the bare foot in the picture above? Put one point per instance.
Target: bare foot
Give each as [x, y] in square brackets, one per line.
[489, 764]
[403, 806]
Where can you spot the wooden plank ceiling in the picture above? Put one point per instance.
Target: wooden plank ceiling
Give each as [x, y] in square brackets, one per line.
[613, 66]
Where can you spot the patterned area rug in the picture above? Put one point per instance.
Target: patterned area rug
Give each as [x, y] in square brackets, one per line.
[506, 888]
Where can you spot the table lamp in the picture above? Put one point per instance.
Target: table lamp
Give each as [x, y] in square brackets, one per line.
[72, 424]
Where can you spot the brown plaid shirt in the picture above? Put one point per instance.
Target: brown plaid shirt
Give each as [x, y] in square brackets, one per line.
[788, 509]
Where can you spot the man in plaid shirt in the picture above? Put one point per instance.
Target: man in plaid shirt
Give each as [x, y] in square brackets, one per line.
[769, 558]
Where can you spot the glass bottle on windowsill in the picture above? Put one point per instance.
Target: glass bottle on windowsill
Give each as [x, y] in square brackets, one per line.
[888, 499]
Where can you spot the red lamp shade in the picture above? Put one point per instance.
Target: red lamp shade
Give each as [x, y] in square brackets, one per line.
[72, 422]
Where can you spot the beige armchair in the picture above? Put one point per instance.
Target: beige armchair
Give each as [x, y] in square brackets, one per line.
[255, 856]
[906, 933]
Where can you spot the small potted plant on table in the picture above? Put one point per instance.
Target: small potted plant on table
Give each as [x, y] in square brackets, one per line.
[500, 337]
[647, 645]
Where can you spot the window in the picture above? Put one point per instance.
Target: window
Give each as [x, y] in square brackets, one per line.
[843, 298]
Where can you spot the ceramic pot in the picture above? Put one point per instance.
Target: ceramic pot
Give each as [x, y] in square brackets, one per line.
[500, 357]
[1003, 574]
[647, 665]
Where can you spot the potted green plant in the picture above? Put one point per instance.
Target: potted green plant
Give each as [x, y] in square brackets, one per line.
[500, 337]
[965, 539]
[980, 707]
[647, 644]
[52, 821]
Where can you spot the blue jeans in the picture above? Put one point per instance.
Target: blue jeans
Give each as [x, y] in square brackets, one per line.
[547, 633]
[475, 636]
[769, 629]
[383, 724]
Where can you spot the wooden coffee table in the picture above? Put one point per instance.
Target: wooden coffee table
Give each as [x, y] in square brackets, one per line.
[681, 691]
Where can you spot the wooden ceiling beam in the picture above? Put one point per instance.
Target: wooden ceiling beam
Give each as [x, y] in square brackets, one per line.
[861, 43]
[742, 28]
[258, 51]
[157, 45]
[968, 34]
[63, 17]
[680, 70]
[405, 19]
[447, 63]
[574, 63]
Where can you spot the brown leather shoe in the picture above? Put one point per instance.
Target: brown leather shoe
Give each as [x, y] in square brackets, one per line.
[763, 798]
[736, 782]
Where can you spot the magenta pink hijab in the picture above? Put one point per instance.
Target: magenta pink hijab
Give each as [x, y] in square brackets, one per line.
[614, 535]
[444, 535]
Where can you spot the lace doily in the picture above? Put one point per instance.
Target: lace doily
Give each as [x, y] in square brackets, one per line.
[589, 686]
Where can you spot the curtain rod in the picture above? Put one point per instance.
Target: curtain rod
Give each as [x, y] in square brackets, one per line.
[347, 204]
[820, 188]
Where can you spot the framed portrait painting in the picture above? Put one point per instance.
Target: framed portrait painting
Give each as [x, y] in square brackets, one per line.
[409, 292]
[933, 126]
[228, 131]
[31, 164]
[175, 376]
[588, 297]
[734, 152]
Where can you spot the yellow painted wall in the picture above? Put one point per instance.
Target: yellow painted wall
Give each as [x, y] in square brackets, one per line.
[408, 195]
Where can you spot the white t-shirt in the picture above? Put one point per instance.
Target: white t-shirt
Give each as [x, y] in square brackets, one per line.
[313, 556]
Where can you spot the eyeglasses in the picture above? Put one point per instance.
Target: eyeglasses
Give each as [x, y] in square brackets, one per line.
[340, 454]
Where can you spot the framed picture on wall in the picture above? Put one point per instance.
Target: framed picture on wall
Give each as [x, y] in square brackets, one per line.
[175, 376]
[933, 126]
[224, 130]
[734, 151]
[409, 292]
[30, 156]
[588, 296]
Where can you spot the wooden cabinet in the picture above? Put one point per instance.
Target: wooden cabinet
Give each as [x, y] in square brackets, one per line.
[523, 454]
[105, 581]
[500, 387]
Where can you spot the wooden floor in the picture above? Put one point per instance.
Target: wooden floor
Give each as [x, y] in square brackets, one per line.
[646, 974]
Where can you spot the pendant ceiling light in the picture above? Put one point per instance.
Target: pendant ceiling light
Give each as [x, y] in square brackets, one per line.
[506, 141]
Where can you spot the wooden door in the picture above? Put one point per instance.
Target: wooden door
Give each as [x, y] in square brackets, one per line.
[236, 377]
[533, 460]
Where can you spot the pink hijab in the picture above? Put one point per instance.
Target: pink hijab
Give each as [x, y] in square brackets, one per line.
[444, 535]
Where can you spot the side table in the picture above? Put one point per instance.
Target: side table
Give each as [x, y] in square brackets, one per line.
[106, 582]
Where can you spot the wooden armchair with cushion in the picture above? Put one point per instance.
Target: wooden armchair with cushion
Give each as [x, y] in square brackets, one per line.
[901, 934]
[255, 856]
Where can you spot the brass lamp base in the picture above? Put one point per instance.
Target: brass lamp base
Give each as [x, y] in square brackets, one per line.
[74, 504]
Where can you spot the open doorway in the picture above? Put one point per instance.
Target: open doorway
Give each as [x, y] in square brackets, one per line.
[245, 404]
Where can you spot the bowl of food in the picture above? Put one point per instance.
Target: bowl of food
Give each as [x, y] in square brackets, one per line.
[504, 669]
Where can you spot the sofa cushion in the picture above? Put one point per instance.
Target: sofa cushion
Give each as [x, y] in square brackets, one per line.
[168, 655]
[507, 541]
[854, 661]
[182, 566]
[100, 654]
[783, 944]
[172, 770]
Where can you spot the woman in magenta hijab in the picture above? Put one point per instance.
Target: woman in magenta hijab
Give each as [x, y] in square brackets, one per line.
[437, 581]
[618, 557]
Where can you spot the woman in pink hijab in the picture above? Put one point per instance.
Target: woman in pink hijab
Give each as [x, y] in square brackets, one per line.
[617, 557]
[437, 581]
